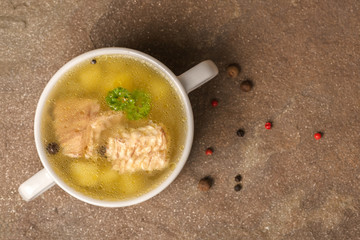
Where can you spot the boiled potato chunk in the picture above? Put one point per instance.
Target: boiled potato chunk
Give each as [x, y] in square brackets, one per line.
[159, 89]
[109, 176]
[90, 78]
[115, 80]
[85, 173]
[131, 183]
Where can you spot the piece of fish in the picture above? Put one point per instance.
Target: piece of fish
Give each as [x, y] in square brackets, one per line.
[96, 128]
[78, 126]
[136, 149]
[71, 123]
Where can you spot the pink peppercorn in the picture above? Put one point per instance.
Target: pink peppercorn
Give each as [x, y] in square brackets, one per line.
[317, 136]
[214, 103]
[268, 125]
[209, 152]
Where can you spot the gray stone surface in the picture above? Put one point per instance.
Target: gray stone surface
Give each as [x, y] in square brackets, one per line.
[303, 57]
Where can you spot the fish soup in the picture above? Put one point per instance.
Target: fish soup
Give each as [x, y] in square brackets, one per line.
[114, 127]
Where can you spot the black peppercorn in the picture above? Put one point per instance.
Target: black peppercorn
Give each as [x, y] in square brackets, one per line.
[238, 178]
[240, 132]
[102, 151]
[237, 187]
[93, 61]
[53, 148]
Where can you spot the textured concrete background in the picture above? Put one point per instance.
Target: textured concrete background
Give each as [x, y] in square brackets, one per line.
[303, 57]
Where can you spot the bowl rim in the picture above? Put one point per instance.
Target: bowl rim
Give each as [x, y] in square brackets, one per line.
[137, 55]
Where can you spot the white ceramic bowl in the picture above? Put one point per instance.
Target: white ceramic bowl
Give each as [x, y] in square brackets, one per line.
[184, 83]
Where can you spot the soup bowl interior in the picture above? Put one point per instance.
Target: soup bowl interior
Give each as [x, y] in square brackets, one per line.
[174, 82]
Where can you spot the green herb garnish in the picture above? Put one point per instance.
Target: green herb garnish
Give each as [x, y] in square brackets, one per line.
[135, 104]
[141, 106]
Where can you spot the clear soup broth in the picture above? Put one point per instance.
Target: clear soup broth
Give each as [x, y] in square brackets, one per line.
[92, 80]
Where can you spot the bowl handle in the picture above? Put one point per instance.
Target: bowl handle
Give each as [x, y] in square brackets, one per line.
[198, 75]
[36, 185]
